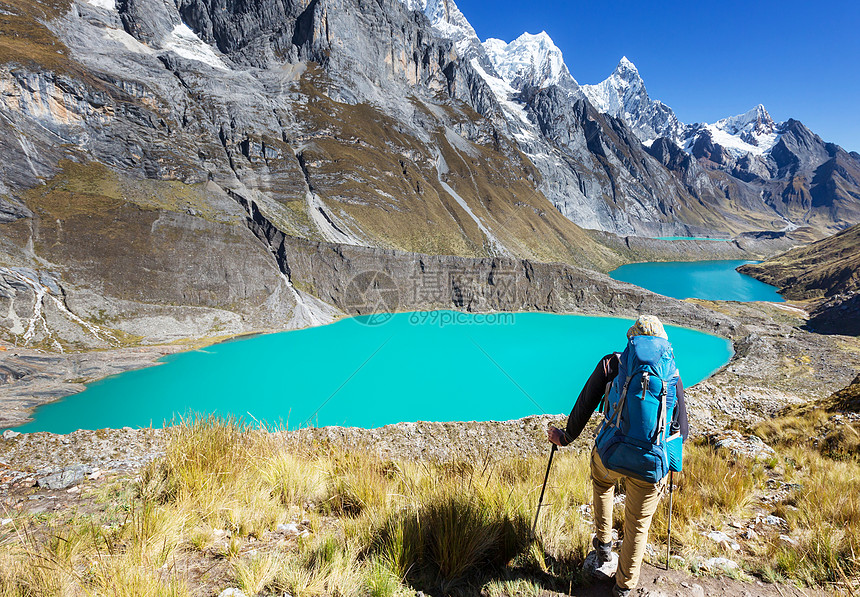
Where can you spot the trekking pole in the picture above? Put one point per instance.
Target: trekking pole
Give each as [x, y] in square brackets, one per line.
[543, 489]
[669, 532]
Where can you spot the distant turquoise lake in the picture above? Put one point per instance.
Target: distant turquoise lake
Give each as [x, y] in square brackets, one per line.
[434, 366]
[709, 280]
[691, 238]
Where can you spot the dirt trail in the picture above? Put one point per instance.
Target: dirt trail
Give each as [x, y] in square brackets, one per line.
[657, 582]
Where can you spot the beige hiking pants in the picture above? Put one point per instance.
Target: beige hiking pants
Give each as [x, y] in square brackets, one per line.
[639, 507]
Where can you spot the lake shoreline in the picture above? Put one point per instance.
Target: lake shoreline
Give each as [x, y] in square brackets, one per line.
[36, 377]
[739, 391]
[31, 377]
[297, 377]
[712, 279]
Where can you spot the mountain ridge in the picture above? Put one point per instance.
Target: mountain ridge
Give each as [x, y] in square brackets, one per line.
[354, 123]
[738, 146]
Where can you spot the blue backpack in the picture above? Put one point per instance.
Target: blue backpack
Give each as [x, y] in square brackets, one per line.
[635, 435]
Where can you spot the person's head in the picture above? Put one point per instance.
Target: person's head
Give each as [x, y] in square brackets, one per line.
[647, 325]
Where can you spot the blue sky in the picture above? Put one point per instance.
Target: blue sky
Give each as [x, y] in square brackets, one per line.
[708, 60]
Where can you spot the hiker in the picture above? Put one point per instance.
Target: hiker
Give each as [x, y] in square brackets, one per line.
[644, 480]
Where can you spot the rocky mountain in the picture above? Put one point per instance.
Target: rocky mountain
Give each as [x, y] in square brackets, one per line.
[623, 95]
[797, 175]
[594, 169]
[144, 140]
[153, 151]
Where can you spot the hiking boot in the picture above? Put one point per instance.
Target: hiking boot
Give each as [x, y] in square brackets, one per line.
[604, 551]
[619, 592]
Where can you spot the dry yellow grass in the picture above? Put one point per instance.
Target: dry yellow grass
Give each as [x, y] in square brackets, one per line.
[384, 528]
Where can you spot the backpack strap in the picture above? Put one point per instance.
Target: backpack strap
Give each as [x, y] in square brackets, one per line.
[604, 402]
[661, 417]
[615, 419]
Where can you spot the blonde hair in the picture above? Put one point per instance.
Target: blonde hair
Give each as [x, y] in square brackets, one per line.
[647, 325]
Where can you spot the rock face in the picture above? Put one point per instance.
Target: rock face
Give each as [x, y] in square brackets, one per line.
[65, 478]
[837, 315]
[421, 282]
[142, 138]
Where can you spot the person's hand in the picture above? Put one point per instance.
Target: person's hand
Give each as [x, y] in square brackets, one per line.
[554, 435]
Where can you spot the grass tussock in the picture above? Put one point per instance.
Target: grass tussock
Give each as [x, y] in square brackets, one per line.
[823, 513]
[819, 453]
[386, 528]
[821, 425]
[451, 534]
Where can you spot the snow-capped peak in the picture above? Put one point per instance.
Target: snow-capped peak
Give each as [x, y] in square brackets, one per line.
[753, 132]
[756, 121]
[622, 94]
[531, 59]
[626, 67]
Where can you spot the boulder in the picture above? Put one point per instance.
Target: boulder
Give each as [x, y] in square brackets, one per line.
[66, 478]
[590, 566]
[718, 564]
[749, 446]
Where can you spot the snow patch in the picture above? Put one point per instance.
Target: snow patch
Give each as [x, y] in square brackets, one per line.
[105, 4]
[183, 41]
[737, 146]
[504, 92]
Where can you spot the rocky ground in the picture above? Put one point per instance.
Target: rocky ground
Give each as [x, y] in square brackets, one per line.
[49, 477]
[32, 377]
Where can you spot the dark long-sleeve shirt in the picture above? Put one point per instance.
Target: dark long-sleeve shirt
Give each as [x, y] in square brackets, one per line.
[596, 386]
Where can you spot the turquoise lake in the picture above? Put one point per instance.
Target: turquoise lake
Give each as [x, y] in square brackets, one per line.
[709, 280]
[433, 366]
[691, 238]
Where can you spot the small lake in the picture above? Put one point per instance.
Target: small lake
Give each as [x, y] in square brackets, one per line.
[725, 240]
[433, 366]
[709, 280]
